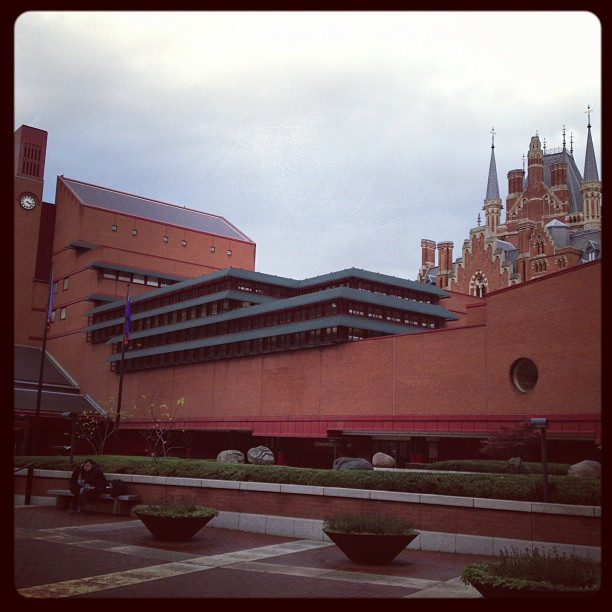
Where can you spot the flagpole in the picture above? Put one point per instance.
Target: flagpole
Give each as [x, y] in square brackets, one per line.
[41, 370]
[126, 333]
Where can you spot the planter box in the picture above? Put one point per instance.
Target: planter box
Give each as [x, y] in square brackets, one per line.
[368, 548]
[173, 528]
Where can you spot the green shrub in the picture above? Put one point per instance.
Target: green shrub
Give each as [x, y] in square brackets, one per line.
[494, 466]
[183, 506]
[365, 522]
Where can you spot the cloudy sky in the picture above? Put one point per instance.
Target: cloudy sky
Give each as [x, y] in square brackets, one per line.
[332, 139]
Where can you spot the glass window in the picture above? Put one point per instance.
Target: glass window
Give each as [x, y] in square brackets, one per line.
[524, 374]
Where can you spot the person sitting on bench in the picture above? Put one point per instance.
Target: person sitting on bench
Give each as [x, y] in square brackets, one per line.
[87, 482]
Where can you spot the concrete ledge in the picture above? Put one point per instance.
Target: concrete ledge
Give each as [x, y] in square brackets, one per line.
[340, 492]
[413, 498]
[502, 504]
[270, 487]
[301, 489]
[447, 500]
[221, 484]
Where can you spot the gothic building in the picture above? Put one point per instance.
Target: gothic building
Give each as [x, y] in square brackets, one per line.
[553, 222]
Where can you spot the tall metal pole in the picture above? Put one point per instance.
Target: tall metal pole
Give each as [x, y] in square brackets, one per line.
[72, 440]
[41, 370]
[41, 374]
[544, 465]
[126, 331]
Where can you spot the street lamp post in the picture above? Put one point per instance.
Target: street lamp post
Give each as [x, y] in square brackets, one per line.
[542, 425]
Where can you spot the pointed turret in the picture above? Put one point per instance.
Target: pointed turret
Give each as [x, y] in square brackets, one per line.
[492, 186]
[591, 185]
[590, 163]
[492, 204]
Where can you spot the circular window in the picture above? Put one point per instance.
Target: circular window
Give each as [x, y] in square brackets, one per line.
[524, 374]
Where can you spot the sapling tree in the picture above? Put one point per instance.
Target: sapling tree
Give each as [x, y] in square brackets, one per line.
[95, 429]
[158, 424]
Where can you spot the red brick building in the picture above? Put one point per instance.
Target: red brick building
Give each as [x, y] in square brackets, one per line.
[352, 362]
[553, 222]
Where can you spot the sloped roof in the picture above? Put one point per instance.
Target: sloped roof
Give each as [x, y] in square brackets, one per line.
[60, 392]
[145, 208]
[574, 178]
[585, 239]
[26, 369]
[25, 401]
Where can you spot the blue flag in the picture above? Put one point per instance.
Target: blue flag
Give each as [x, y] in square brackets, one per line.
[126, 333]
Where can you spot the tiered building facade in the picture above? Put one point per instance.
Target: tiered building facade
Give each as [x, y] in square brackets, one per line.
[352, 362]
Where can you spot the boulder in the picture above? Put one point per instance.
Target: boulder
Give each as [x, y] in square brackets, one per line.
[231, 456]
[517, 466]
[381, 460]
[585, 469]
[260, 455]
[352, 463]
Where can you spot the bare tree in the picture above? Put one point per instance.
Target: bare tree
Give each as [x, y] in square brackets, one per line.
[159, 424]
[95, 429]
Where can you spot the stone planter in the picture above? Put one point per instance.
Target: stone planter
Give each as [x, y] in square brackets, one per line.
[369, 548]
[501, 591]
[173, 528]
[531, 574]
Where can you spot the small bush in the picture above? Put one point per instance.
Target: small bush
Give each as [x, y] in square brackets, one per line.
[533, 569]
[182, 506]
[364, 522]
[553, 567]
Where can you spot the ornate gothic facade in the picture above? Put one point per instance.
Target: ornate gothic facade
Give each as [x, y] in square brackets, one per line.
[553, 222]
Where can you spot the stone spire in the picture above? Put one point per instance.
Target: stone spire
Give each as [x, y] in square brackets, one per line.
[590, 163]
[492, 186]
[591, 185]
[492, 204]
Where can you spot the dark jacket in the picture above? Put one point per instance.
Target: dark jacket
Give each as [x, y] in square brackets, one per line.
[95, 477]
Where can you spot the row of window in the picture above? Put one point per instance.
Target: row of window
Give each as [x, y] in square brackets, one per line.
[132, 277]
[250, 286]
[246, 323]
[285, 342]
[166, 239]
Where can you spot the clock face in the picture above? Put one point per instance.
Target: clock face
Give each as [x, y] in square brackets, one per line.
[28, 202]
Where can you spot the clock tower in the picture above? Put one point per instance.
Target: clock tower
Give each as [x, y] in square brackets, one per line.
[33, 223]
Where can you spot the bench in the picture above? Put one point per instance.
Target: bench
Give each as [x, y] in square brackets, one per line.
[119, 506]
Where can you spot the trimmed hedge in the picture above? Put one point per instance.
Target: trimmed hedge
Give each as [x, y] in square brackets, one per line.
[520, 487]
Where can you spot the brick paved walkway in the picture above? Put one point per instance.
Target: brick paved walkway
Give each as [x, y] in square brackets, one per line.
[59, 555]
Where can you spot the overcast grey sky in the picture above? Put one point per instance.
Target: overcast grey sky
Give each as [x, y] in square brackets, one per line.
[332, 139]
